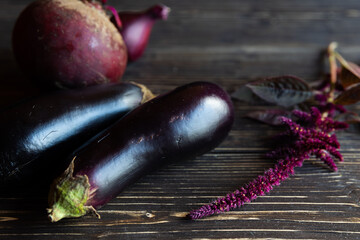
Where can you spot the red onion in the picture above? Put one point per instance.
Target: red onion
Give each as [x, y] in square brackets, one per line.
[136, 28]
[68, 43]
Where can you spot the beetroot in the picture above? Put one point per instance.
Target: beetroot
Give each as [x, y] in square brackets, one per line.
[68, 43]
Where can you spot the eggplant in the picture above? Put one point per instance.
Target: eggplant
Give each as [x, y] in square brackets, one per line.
[182, 124]
[37, 132]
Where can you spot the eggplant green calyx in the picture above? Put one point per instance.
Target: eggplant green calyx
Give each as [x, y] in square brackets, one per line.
[68, 196]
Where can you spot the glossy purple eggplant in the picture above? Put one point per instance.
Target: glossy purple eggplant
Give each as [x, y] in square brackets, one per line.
[182, 124]
[37, 132]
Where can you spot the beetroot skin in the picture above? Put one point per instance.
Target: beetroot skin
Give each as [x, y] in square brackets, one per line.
[68, 43]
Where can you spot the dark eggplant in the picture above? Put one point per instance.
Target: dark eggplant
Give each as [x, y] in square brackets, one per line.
[35, 133]
[182, 124]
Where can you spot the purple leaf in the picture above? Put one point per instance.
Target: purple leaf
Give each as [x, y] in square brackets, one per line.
[349, 96]
[271, 117]
[348, 117]
[285, 91]
[245, 94]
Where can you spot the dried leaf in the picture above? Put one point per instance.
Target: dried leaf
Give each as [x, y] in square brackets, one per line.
[349, 96]
[350, 75]
[350, 72]
[271, 117]
[283, 90]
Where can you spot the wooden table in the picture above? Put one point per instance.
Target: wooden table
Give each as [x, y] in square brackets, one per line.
[228, 42]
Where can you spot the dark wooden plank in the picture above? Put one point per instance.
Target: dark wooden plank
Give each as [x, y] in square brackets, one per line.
[313, 202]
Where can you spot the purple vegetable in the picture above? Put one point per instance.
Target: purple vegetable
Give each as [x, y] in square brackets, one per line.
[182, 124]
[136, 28]
[68, 43]
[35, 133]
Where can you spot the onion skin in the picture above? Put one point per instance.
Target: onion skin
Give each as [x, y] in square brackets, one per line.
[182, 124]
[68, 43]
[36, 133]
[137, 26]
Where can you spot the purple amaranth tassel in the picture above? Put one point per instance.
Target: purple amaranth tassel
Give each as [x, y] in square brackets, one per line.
[326, 158]
[331, 108]
[308, 133]
[257, 187]
[311, 139]
[314, 119]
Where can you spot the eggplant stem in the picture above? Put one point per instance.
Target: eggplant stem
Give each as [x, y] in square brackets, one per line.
[68, 196]
[147, 94]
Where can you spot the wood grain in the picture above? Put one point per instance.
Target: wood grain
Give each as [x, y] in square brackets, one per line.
[229, 42]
